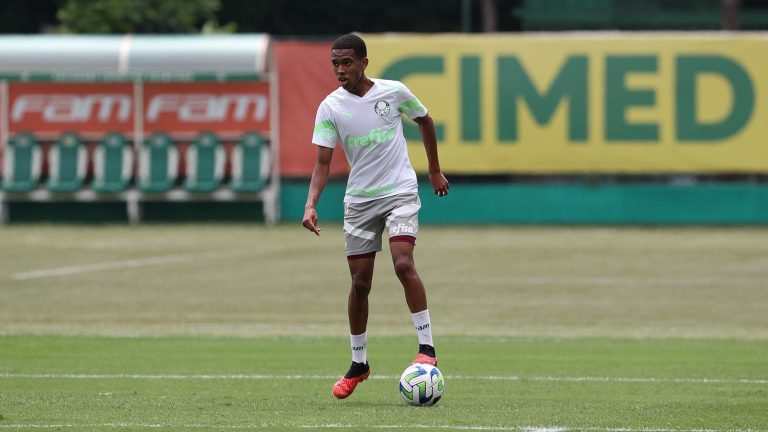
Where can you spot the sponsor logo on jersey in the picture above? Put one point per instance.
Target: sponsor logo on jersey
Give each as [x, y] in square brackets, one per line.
[375, 137]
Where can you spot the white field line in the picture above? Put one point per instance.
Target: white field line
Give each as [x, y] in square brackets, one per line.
[265, 426]
[600, 280]
[123, 264]
[387, 377]
[538, 280]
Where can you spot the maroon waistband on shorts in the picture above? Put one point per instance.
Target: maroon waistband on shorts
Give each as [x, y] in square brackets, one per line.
[403, 238]
[361, 256]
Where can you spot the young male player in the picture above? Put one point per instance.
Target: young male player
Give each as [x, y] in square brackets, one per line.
[364, 115]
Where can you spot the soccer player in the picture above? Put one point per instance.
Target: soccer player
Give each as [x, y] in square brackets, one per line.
[364, 115]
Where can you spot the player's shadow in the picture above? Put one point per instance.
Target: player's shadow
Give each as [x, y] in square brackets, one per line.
[387, 404]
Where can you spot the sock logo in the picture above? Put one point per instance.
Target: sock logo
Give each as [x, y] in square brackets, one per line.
[358, 348]
[422, 327]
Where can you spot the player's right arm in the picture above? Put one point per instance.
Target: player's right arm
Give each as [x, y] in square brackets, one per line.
[316, 186]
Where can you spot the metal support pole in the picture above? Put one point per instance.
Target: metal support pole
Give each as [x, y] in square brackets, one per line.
[466, 16]
[488, 12]
[731, 9]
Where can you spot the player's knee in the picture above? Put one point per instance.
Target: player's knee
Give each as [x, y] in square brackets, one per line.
[404, 267]
[361, 286]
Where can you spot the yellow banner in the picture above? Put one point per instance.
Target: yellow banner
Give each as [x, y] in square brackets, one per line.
[586, 102]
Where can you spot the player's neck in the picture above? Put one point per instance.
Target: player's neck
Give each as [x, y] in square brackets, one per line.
[362, 87]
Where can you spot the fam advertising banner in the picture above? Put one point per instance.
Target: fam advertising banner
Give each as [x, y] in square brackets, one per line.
[230, 108]
[600, 102]
[180, 109]
[52, 109]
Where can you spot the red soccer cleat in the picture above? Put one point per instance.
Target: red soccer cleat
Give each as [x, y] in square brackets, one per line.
[345, 386]
[423, 358]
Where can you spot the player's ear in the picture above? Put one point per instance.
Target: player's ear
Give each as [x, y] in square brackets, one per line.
[364, 62]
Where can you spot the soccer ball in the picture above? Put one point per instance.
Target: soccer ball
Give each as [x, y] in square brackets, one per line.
[422, 384]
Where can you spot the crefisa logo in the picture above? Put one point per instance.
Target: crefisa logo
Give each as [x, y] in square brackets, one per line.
[402, 228]
[381, 108]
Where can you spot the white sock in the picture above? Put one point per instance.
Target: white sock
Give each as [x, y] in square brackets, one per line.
[359, 343]
[423, 327]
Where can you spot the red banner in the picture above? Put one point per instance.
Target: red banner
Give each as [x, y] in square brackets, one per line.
[53, 108]
[179, 109]
[227, 109]
[306, 77]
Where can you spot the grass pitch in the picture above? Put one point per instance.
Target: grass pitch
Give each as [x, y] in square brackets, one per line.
[210, 327]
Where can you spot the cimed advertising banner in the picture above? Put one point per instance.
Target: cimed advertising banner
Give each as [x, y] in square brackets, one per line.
[586, 102]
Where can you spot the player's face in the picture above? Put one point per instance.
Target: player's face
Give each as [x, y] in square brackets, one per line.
[348, 67]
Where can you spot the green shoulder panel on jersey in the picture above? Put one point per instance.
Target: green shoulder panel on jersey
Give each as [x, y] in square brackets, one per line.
[327, 128]
[325, 124]
[413, 105]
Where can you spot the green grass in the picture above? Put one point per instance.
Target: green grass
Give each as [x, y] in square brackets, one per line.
[212, 327]
[284, 382]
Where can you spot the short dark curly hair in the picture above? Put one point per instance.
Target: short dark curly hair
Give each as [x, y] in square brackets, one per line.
[353, 42]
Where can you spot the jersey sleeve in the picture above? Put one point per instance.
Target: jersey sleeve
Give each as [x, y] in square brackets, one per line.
[325, 133]
[410, 105]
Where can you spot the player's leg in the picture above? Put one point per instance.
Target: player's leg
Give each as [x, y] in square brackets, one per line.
[362, 236]
[405, 269]
[361, 271]
[415, 296]
[403, 226]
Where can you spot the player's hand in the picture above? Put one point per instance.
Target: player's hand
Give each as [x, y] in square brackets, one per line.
[310, 220]
[439, 183]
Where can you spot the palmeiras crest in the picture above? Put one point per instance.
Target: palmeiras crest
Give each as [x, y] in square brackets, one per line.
[381, 108]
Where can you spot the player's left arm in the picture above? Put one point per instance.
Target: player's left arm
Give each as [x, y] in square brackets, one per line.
[429, 137]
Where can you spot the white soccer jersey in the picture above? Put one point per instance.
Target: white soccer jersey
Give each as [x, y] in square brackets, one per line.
[370, 130]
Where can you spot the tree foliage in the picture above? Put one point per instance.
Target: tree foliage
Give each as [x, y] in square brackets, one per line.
[140, 16]
[24, 16]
